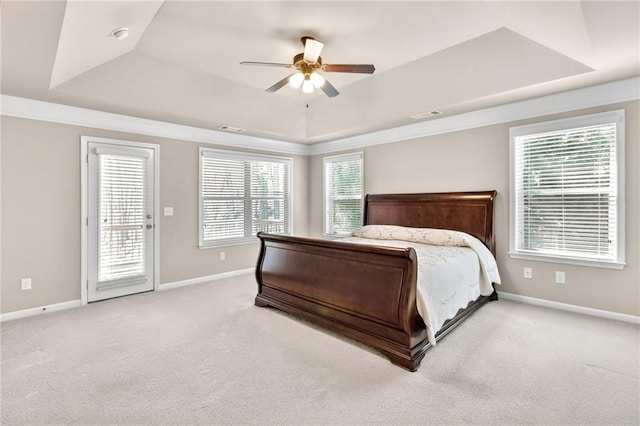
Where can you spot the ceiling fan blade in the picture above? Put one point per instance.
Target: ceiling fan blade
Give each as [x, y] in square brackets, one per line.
[312, 49]
[266, 64]
[357, 68]
[279, 85]
[329, 90]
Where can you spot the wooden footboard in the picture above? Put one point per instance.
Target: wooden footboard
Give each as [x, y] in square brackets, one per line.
[364, 292]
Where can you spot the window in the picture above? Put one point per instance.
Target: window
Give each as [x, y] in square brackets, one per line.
[567, 190]
[122, 194]
[342, 194]
[242, 194]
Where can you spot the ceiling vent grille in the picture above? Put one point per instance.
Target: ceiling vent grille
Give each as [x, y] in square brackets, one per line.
[231, 129]
[422, 115]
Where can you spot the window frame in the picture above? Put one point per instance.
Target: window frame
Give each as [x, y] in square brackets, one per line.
[359, 155]
[242, 156]
[616, 117]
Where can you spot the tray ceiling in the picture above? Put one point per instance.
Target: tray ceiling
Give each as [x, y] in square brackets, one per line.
[181, 61]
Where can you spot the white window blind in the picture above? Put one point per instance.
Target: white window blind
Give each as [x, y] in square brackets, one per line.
[343, 189]
[242, 194]
[121, 249]
[566, 191]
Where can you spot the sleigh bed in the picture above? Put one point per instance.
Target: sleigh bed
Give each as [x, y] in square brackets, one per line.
[368, 292]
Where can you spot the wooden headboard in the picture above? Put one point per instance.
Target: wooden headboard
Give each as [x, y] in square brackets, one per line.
[470, 212]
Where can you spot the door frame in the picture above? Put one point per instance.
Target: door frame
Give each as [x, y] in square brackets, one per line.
[84, 199]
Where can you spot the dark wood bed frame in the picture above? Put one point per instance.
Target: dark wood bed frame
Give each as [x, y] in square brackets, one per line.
[368, 293]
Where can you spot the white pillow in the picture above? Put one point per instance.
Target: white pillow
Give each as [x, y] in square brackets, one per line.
[440, 237]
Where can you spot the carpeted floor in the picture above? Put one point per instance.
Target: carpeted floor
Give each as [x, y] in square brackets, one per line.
[205, 355]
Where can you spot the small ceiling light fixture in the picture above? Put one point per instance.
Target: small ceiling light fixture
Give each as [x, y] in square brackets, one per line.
[120, 33]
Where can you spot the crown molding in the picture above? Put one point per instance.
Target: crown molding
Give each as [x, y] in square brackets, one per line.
[13, 106]
[604, 94]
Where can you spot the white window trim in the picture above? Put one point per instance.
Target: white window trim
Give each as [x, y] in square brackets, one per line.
[240, 155]
[617, 117]
[341, 157]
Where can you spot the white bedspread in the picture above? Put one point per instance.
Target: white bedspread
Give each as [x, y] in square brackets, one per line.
[454, 268]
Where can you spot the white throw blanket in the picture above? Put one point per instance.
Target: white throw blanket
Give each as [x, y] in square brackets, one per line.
[454, 268]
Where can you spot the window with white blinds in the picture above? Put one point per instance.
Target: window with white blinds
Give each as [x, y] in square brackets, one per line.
[567, 190]
[242, 194]
[343, 189]
[121, 251]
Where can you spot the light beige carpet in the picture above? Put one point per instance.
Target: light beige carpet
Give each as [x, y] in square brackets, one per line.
[205, 355]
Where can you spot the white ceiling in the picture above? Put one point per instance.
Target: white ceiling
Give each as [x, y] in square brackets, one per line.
[181, 61]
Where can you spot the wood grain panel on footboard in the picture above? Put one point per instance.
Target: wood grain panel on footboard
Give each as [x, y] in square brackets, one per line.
[359, 290]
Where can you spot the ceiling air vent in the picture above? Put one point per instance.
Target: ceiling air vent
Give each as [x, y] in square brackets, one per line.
[231, 129]
[422, 115]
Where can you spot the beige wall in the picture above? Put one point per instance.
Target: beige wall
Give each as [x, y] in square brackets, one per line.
[40, 198]
[478, 159]
[41, 212]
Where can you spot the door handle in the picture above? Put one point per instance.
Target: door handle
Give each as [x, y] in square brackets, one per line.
[149, 226]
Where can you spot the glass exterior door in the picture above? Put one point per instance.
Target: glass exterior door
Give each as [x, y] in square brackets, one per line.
[120, 220]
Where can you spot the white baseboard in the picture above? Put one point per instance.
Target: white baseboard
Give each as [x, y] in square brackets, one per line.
[198, 280]
[40, 310]
[570, 308]
[77, 303]
[176, 284]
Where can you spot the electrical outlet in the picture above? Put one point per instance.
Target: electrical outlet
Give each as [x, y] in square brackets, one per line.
[222, 256]
[168, 211]
[25, 284]
[527, 273]
[560, 279]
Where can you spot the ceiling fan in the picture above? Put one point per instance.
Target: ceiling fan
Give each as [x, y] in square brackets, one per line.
[307, 64]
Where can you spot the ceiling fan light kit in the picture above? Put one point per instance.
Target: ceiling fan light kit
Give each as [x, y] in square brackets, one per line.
[307, 85]
[296, 80]
[317, 79]
[308, 64]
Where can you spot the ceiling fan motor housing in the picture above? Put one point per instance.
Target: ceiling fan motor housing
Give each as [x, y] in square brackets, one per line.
[306, 67]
